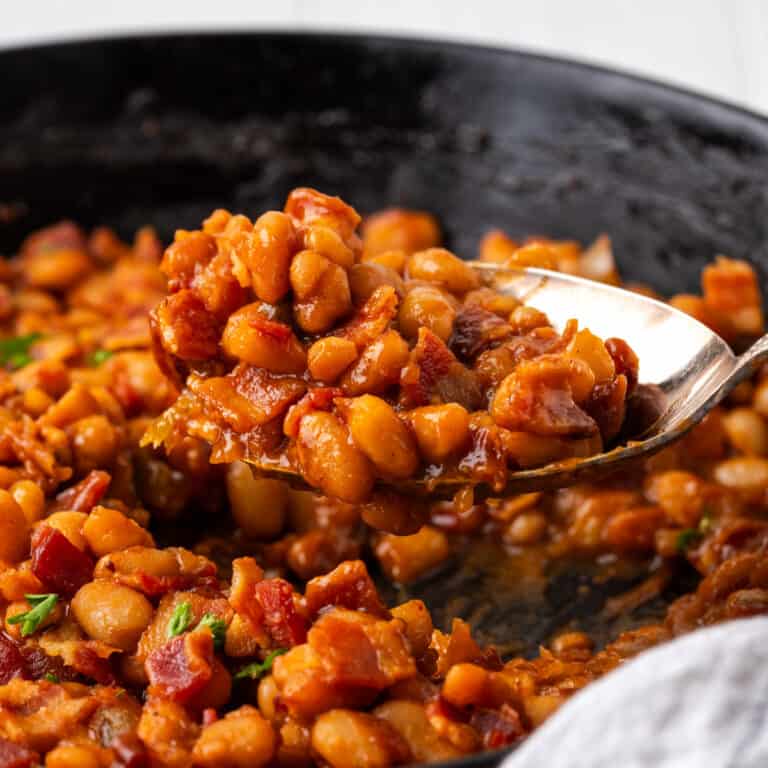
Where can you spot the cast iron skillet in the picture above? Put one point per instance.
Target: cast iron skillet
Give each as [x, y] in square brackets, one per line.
[162, 129]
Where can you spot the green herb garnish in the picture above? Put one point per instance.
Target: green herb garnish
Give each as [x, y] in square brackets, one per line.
[51, 678]
[100, 356]
[180, 620]
[258, 668]
[30, 620]
[686, 537]
[14, 352]
[217, 626]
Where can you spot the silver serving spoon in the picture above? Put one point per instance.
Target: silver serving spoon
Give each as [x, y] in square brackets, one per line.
[690, 364]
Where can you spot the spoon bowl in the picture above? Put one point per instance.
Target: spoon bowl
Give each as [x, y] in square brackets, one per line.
[688, 366]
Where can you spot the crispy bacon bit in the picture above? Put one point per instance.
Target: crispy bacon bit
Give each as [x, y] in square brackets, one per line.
[14, 755]
[348, 586]
[372, 319]
[281, 619]
[277, 331]
[38, 664]
[307, 206]
[58, 563]
[12, 663]
[130, 752]
[89, 663]
[182, 667]
[85, 495]
[188, 330]
[607, 405]
[317, 399]
[476, 329]
[498, 728]
[625, 360]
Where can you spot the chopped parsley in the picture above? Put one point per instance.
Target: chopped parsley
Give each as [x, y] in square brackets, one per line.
[100, 356]
[180, 620]
[258, 668]
[14, 352]
[51, 678]
[30, 620]
[217, 626]
[688, 536]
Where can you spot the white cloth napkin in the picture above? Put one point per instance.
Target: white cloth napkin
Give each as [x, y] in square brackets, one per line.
[700, 701]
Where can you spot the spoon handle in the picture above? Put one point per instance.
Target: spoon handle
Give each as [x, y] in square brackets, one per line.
[748, 361]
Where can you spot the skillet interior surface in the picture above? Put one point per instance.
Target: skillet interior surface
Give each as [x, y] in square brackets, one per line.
[163, 129]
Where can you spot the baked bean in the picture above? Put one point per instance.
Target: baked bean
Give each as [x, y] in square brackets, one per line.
[30, 498]
[381, 435]
[75, 756]
[366, 277]
[254, 338]
[426, 306]
[14, 530]
[329, 243]
[267, 696]
[378, 367]
[348, 739]
[747, 431]
[328, 358]
[267, 255]
[397, 229]
[748, 475]
[409, 719]
[108, 530]
[440, 430]
[526, 528]
[70, 523]
[329, 459]
[407, 558]
[571, 642]
[589, 348]
[538, 255]
[418, 625]
[436, 265]
[393, 259]
[394, 512]
[114, 614]
[321, 291]
[241, 739]
[496, 247]
[760, 398]
[259, 505]
[95, 443]
[680, 494]
[56, 269]
[77, 403]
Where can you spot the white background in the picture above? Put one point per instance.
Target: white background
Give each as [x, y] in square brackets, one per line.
[718, 47]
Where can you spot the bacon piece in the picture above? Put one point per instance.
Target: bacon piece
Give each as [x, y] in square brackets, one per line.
[348, 586]
[12, 662]
[434, 374]
[58, 563]
[14, 755]
[130, 752]
[625, 360]
[317, 399]
[186, 328]
[182, 667]
[475, 329]
[85, 495]
[607, 405]
[285, 624]
[498, 727]
[308, 206]
[372, 319]
[89, 663]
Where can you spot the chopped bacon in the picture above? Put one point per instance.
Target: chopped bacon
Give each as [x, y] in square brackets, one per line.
[38, 664]
[317, 399]
[182, 667]
[85, 495]
[372, 319]
[130, 752]
[14, 755]
[607, 405]
[349, 586]
[476, 329]
[285, 624]
[188, 330]
[433, 373]
[58, 563]
[306, 206]
[498, 728]
[89, 663]
[625, 360]
[277, 331]
[12, 663]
